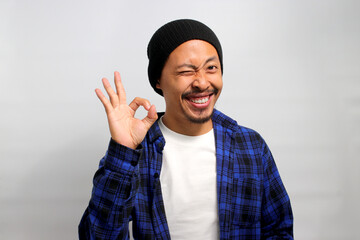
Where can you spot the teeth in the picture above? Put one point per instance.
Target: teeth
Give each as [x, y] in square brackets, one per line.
[200, 100]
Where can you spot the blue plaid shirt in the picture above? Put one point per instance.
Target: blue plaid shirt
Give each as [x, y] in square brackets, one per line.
[252, 201]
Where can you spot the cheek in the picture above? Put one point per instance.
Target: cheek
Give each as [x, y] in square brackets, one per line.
[172, 95]
[217, 82]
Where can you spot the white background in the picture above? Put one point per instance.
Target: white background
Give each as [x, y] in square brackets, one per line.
[291, 72]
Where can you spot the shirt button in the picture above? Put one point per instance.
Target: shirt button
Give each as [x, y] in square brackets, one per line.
[134, 163]
[156, 175]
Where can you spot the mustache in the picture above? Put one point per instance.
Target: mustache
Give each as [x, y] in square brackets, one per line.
[210, 91]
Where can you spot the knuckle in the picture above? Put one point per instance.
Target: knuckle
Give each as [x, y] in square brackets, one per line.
[139, 99]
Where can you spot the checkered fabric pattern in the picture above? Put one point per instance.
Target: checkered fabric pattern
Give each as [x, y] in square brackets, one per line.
[252, 200]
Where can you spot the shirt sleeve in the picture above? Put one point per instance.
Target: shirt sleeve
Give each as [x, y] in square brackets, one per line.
[277, 217]
[115, 186]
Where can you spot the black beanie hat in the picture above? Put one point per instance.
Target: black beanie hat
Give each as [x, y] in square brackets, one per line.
[169, 37]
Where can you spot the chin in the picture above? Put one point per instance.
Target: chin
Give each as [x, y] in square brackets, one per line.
[200, 119]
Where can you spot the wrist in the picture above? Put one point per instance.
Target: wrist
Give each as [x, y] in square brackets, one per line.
[126, 144]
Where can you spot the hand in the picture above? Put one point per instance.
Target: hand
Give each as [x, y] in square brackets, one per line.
[125, 129]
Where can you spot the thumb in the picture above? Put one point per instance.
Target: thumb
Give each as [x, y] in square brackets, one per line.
[151, 117]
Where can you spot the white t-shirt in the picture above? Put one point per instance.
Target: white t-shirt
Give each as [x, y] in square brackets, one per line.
[188, 184]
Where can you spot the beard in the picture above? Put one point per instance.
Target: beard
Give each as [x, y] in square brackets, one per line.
[199, 120]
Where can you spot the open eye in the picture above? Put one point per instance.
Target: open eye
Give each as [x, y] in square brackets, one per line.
[212, 68]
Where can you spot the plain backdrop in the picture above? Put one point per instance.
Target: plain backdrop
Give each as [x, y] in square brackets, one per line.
[291, 72]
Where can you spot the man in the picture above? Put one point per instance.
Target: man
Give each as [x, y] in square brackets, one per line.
[188, 173]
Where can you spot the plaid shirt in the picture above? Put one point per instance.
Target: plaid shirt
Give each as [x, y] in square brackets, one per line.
[252, 201]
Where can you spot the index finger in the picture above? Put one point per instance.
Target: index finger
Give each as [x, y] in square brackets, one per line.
[119, 87]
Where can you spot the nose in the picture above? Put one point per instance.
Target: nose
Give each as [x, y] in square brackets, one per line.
[200, 82]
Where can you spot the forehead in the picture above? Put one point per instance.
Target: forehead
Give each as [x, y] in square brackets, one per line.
[193, 50]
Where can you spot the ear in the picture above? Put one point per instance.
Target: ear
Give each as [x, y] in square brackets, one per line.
[158, 84]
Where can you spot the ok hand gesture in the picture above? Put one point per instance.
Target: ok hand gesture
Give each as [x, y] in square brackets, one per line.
[125, 129]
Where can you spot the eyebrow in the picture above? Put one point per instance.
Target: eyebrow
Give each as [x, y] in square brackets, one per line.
[193, 66]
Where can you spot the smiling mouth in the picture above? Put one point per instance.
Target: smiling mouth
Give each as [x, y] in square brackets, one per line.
[199, 97]
[201, 100]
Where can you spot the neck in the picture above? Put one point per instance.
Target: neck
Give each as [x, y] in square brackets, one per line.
[187, 127]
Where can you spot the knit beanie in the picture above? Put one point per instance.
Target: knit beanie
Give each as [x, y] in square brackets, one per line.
[169, 37]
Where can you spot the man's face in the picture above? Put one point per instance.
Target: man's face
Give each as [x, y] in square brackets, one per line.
[191, 82]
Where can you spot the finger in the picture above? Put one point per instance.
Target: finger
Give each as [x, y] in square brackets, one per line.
[137, 102]
[104, 100]
[119, 88]
[112, 94]
[151, 117]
